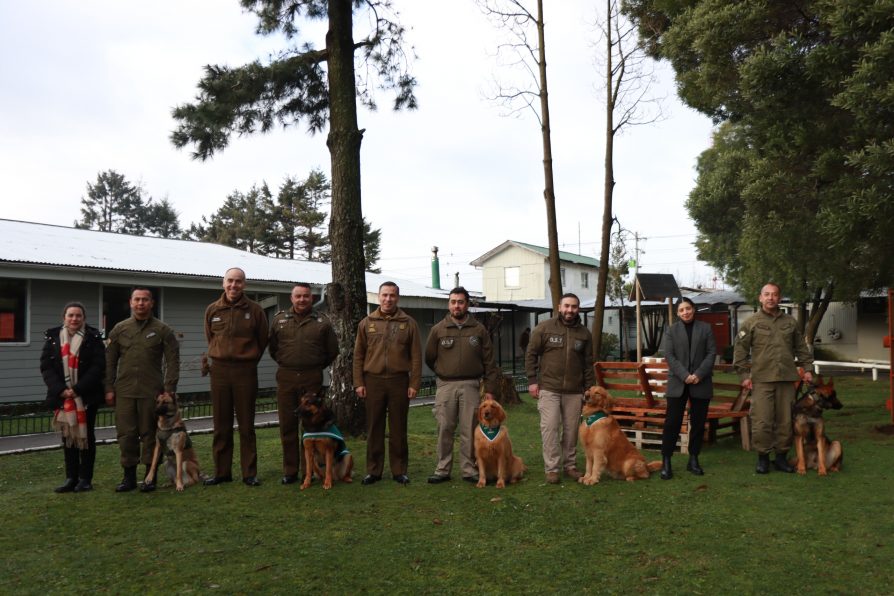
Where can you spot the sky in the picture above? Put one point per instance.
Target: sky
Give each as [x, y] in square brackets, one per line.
[89, 86]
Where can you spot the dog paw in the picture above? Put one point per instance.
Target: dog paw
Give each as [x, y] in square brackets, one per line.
[180, 488]
[802, 471]
[327, 485]
[501, 483]
[305, 485]
[481, 483]
[822, 473]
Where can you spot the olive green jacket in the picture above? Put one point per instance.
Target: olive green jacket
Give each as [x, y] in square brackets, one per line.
[142, 359]
[770, 347]
[302, 343]
[462, 352]
[560, 357]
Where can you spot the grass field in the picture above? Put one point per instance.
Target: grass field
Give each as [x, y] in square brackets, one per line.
[730, 531]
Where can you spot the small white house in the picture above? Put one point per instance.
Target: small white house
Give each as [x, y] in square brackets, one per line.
[516, 271]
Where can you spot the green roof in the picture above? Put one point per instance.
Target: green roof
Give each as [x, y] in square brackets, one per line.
[564, 256]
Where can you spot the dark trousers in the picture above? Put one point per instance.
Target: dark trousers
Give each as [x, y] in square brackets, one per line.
[698, 414]
[234, 387]
[79, 462]
[387, 395]
[135, 425]
[290, 386]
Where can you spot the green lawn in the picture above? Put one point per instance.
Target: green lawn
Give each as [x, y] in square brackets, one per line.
[729, 531]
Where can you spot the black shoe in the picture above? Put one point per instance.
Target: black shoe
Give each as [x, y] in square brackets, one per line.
[401, 479]
[289, 479]
[129, 482]
[438, 479]
[66, 487]
[666, 472]
[147, 487]
[472, 479]
[781, 464]
[763, 464]
[370, 479]
[251, 481]
[217, 480]
[84, 486]
[694, 467]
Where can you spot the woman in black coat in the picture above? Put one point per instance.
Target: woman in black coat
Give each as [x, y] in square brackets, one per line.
[73, 364]
[690, 350]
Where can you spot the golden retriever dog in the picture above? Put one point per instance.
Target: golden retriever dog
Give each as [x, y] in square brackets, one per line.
[181, 463]
[606, 446]
[493, 449]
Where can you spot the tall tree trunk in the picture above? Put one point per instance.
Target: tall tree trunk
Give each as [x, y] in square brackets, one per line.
[820, 306]
[347, 292]
[549, 193]
[607, 189]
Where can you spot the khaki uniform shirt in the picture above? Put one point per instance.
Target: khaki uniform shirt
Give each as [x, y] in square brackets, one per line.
[775, 345]
[388, 346]
[134, 359]
[236, 332]
[462, 352]
[560, 357]
[302, 342]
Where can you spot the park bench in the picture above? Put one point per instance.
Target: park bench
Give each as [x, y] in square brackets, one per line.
[638, 391]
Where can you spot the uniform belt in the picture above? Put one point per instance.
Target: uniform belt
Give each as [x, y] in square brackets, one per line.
[475, 378]
[318, 369]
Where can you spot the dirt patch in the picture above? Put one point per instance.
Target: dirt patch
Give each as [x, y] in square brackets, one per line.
[886, 429]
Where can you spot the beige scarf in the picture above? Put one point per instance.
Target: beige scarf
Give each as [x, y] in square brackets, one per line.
[71, 418]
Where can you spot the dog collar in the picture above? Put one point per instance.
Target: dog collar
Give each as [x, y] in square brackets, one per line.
[490, 432]
[592, 418]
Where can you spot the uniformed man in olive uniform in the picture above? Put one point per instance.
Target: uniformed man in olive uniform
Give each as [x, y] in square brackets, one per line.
[559, 366]
[387, 374]
[769, 348]
[460, 352]
[236, 329]
[135, 376]
[302, 343]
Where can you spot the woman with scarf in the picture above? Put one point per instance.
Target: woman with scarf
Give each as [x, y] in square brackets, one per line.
[73, 363]
[689, 348]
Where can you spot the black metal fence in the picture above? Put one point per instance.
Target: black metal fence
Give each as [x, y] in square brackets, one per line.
[27, 418]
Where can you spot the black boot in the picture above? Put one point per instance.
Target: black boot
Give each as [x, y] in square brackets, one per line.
[693, 466]
[129, 482]
[67, 486]
[781, 463]
[763, 463]
[84, 485]
[666, 472]
[148, 487]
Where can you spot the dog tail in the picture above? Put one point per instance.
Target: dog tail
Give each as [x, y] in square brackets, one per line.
[653, 466]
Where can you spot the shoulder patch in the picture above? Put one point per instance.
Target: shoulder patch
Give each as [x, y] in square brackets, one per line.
[742, 334]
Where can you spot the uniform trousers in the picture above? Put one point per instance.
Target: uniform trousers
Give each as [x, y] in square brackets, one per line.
[135, 424]
[456, 403]
[559, 412]
[234, 387]
[386, 395]
[771, 416]
[79, 462]
[673, 421]
[290, 386]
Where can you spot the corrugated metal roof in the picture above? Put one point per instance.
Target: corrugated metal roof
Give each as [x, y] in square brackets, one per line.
[58, 246]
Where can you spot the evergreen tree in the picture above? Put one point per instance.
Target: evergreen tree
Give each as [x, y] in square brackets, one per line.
[372, 241]
[317, 85]
[161, 219]
[245, 221]
[112, 204]
[301, 218]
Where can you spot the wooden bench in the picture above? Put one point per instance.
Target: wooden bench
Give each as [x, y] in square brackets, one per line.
[637, 408]
[638, 390]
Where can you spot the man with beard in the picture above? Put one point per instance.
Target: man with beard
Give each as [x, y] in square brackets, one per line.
[460, 352]
[559, 366]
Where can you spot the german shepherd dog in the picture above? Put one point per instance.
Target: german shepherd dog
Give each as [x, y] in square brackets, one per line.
[813, 448]
[323, 443]
[181, 464]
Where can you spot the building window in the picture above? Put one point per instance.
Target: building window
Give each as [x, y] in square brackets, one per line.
[512, 277]
[584, 279]
[562, 275]
[13, 311]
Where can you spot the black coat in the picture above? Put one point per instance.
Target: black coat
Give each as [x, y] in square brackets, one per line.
[91, 368]
[681, 363]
